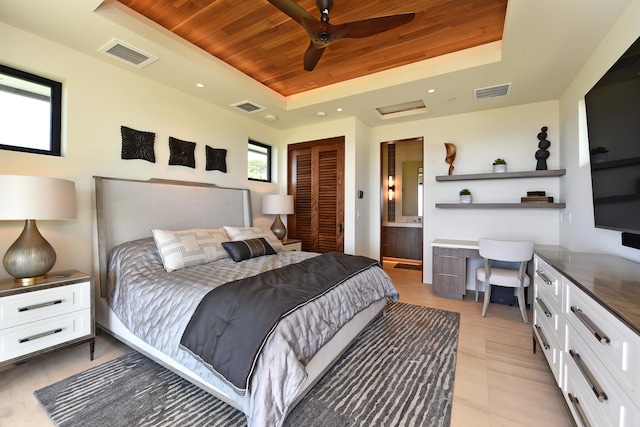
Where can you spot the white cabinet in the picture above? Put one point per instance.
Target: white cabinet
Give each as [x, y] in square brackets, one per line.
[593, 355]
[548, 321]
[52, 313]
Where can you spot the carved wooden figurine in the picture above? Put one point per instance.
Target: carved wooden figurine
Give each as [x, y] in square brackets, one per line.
[451, 155]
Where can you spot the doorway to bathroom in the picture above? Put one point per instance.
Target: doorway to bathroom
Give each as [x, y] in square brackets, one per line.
[402, 201]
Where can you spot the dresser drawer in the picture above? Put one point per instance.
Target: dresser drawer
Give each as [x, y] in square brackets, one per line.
[546, 312]
[43, 334]
[614, 344]
[551, 349]
[600, 392]
[549, 283]
[32, 306]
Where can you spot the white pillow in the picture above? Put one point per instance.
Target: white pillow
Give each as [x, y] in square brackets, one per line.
[244, 233]
[188, 248]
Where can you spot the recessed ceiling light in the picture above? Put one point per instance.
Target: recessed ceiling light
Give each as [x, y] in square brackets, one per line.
[270, 118]
[431, 90]
[338, 109]
[200, 84]
[452, 99]
[321, 114]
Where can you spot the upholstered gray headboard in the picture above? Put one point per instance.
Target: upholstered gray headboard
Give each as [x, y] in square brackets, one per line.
[127, 210]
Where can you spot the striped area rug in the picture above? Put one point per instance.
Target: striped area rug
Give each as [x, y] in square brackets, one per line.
[400, 372]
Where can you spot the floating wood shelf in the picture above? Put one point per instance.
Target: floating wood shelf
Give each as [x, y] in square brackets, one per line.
[532, 205]
[503, 175]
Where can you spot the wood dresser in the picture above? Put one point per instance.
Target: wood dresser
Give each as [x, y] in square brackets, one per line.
[586, 318]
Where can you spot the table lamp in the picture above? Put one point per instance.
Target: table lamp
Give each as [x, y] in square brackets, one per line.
[31, 198]
[277, 204]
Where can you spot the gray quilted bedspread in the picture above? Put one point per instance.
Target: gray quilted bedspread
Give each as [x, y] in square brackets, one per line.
[156, 306]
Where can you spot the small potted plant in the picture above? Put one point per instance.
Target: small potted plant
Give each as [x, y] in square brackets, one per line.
[599, 154]
[465, 196]
[499, 165]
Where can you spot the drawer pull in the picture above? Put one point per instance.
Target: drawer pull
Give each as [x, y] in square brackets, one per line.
[448, 256]
[35, 337]
[545, 343]
[544, 277]
[544, 308]
[597, 389]
[600, 336]
[576, 405]
[447, 274]
[36, 306]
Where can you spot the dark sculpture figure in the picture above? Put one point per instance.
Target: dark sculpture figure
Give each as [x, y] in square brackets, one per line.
[542, 154]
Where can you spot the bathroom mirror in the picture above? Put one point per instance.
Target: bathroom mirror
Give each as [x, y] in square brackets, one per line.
[411, 188]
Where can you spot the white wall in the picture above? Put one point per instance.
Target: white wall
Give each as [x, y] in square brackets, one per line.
[99, 98]
[481, 137]
[580, 234]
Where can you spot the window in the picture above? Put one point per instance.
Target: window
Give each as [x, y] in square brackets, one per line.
[259, 161]
[30, 112]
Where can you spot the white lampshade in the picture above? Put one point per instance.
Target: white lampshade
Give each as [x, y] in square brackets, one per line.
[31, 198]
[34, 197]
[274, 204]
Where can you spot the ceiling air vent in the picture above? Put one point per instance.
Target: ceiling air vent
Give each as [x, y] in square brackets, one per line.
[401, 110]
[127, 53]
[492, 92]
[248, 106]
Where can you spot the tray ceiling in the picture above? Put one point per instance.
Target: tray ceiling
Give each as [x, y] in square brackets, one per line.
[262, 42]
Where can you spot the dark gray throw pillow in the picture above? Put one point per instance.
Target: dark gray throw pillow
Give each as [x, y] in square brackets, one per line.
[250, 248]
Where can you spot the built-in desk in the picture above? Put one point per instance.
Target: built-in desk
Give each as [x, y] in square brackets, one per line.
[450, 265]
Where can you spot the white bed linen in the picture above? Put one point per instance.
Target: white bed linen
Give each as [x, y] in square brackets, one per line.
[156, 306]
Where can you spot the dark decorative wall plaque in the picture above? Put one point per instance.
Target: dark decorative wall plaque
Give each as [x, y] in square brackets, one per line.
[216, 159]
[137, 144]
[182, 152]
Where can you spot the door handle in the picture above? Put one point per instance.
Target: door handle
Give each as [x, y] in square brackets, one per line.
[340, 228]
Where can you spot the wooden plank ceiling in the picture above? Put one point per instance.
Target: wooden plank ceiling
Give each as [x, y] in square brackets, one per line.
[264, 43]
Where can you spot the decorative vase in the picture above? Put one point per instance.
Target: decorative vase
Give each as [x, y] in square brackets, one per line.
[500, 168]
[466, 198]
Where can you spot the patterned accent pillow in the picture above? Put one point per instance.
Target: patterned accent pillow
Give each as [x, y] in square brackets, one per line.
[188, 248]
[244, 233]
[250, 248]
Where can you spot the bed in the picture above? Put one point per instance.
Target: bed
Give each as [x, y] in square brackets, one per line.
[151, 309]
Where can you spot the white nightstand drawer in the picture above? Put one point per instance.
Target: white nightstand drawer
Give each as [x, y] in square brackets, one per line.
[291, 245]
[32, 306]
[24, 339]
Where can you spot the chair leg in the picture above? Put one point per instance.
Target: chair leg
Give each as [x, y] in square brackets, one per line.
[477, 286]
[522, 304]
[487, 297]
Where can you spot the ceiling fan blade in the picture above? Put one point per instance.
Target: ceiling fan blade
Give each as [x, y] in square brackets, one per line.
[369, 27]
[312, 56]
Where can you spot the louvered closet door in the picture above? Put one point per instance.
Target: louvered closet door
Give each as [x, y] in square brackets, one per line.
[316, 172]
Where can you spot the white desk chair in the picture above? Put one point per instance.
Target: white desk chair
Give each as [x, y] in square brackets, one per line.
[504, 250]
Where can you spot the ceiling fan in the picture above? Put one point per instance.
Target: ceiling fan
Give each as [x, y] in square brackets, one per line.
[322, 33]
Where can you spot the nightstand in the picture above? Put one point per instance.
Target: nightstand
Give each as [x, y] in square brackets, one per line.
[291, 245]
[52, 313]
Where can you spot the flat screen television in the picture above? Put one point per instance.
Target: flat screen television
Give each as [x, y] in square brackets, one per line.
[613, 122]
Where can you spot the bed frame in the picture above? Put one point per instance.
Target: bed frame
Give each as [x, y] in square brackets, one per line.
[128, 209]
